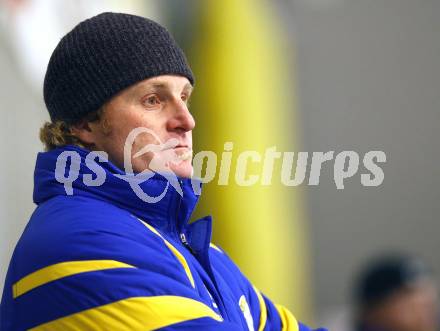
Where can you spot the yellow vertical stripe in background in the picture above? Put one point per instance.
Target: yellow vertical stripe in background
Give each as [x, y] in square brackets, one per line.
[244, 95]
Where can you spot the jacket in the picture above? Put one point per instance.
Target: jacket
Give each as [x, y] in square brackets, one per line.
[96, 257]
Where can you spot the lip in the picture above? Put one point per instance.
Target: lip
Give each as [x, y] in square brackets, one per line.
[182, 147]
[178, 147]
[183, 153]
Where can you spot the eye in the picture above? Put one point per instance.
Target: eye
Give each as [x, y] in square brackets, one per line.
[185, 98]
[151, 100]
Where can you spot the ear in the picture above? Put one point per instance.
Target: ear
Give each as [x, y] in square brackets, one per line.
[84, 132]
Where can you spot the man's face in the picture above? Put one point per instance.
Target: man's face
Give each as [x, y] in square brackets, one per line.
[159, 104]
[410, 309]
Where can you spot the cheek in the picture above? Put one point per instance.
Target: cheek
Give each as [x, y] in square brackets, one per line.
[123, 122]
[113, 133]
[140, 143]
[123, 125]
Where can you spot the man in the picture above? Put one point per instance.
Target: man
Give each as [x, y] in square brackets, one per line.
[112, 249]
[396, 293]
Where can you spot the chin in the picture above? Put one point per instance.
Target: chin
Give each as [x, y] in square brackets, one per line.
[184, 170]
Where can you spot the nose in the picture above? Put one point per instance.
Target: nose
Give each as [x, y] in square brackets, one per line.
[181, 119]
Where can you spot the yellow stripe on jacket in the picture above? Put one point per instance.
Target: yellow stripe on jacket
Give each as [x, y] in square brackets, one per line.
[175, 251]
[288, 321]
[263, 310]
[133, 314]
[61, 270]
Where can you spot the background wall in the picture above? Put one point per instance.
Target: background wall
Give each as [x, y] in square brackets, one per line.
[22, 113]
[368, 78]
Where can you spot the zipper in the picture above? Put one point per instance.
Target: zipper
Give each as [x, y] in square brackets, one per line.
[182, 238]
[186, 244]
[221, 304]
[175, 227]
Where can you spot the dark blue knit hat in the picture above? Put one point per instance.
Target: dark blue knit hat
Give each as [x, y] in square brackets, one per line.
[103, 55]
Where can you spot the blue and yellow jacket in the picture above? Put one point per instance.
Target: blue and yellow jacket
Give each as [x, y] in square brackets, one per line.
[102, 259]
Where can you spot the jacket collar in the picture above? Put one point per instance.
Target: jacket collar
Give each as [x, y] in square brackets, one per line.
[170, 214]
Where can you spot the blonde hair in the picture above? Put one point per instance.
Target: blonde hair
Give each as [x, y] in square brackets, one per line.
[59, 133]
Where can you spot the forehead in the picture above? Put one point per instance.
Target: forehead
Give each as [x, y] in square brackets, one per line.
[164, 82]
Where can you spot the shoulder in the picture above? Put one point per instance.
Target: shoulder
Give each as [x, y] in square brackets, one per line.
[77, 254]
[80, 229]
[226, 267]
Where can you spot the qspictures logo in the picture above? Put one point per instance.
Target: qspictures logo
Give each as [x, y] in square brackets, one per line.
[67, 175]
[205, 167]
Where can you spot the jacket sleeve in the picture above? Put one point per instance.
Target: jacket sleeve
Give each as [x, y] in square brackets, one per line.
[95, 279]
[264, 314]
[278, 317]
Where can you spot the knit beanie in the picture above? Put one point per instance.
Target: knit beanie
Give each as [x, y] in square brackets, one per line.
[103, 55]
